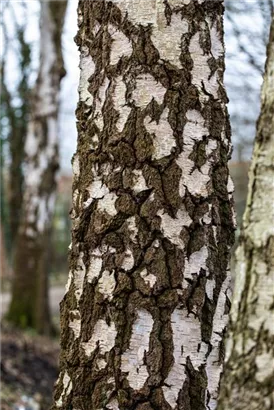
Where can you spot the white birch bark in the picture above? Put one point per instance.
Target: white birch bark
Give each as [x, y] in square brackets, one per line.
[248, 381]
[29, 306]
[152, 214]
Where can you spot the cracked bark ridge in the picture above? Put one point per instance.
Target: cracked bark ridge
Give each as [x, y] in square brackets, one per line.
[248, 381]
[29, 306]
[143, 319]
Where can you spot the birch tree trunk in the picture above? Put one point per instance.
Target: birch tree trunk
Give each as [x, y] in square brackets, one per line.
[29, 306]
[248, 381]
[148, 291]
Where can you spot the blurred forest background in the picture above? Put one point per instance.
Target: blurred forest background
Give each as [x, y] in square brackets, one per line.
[246, 35]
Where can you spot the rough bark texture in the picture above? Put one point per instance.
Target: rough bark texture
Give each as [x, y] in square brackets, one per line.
[29, 305]
[248, 381]
[148, 291]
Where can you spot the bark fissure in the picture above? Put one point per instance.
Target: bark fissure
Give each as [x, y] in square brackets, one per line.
[152, 215]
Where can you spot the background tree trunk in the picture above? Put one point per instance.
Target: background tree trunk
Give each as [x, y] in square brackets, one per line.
[148, 291]
[17, 137]
[248, 381]
[14, 134]
[29, 306]
[4, 263]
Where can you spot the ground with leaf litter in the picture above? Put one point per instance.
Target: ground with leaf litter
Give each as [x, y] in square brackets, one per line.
[29, 368]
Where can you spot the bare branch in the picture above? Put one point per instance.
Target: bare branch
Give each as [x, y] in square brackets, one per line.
[242, 47]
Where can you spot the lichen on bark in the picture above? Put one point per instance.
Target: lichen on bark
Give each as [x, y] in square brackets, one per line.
[152, 216]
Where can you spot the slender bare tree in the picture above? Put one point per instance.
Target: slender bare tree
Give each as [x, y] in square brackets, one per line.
[13, 117]
[3, 254]
[248, 381]
[148, 291]
[29, 305]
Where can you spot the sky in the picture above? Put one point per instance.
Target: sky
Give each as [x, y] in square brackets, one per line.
[242, 81]
[69, 91]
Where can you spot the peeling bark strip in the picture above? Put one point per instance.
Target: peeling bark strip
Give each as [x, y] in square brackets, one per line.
[148, 292]
[29, 305]
[248, 381]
